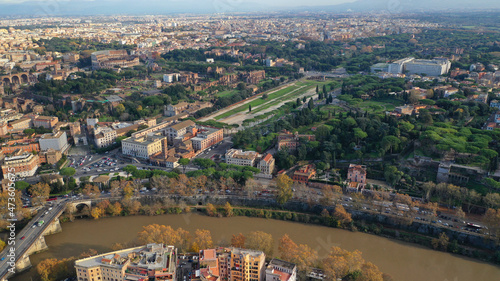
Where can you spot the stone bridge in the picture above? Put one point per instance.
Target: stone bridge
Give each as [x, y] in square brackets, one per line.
[76, 206]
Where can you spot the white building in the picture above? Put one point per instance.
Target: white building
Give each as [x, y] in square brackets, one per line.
[92, 121]
[170, 78]
[266, 164]
[57, 141]
[143, 147]
[104, 136]
[241, 158]
[434, 67]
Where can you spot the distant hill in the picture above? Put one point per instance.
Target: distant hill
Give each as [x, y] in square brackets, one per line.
[114, 7]
[397, 6]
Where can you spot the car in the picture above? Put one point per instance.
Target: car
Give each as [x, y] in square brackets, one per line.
[47, 212]
[34, 226]
[22, 238]
[50, 208]
[3, 258]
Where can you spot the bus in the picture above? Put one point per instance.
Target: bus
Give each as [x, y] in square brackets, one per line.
[40, 223]
[474, 226]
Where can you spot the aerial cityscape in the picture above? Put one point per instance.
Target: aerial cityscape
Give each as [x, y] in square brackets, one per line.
[231, 140]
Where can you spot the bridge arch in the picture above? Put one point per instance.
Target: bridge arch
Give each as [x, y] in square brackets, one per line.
[24, 78]
[82, 206]
[15, 79]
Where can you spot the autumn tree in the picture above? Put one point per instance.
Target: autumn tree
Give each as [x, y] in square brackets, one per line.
[460, 214]
[329, 196]
[117, 246]
[131, 207]
[54, 269]
[103, 204]
[259, 240]
[39, 193]
[91, 190]
[442, 242]
[492, 200]
[127, 191]
[162, 234]
[342, 215]
[228, 210]
[370, 272]
[287, 248]
[115, 209]
[202, 240]
[2, 244]
[238, 241]
[284, 186]
[339, 263]
[492, 220]
[211, 210]
[96, 212]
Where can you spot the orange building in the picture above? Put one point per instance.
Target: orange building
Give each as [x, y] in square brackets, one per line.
[304, 174]
[24, 147]
[289, 141]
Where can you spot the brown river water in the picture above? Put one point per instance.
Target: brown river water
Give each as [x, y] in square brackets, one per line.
[403, 261]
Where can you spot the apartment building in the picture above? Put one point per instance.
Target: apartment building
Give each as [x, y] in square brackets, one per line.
[20, 125]
[75, 129]
[241, 158]
[104, 136]
[21, 164]
[50, 156]
[143, 147]
[304, 174]
[4, 128]
[172, 110]
[241, 265]
[150, 262]
[57, 141]
[280, 270]
[48, 122]
[11, 147]
[178, 130]
[206, 137]
[209, 265]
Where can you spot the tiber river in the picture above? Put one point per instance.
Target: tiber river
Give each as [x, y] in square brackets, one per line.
[403, 261]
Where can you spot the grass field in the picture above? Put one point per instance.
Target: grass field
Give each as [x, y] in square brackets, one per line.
[290, 97]
[257, 102]
[273, 99]
[226, 93]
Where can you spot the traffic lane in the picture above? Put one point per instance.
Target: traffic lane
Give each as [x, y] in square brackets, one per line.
[21, 245]
[185, 270]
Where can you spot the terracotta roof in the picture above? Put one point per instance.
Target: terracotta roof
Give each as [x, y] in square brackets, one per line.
[267, 158]
[182, 125]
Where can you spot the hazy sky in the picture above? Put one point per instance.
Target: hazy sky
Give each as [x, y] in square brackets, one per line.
[268, 2]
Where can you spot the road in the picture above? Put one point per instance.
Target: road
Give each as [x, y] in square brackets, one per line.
[30, 234]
